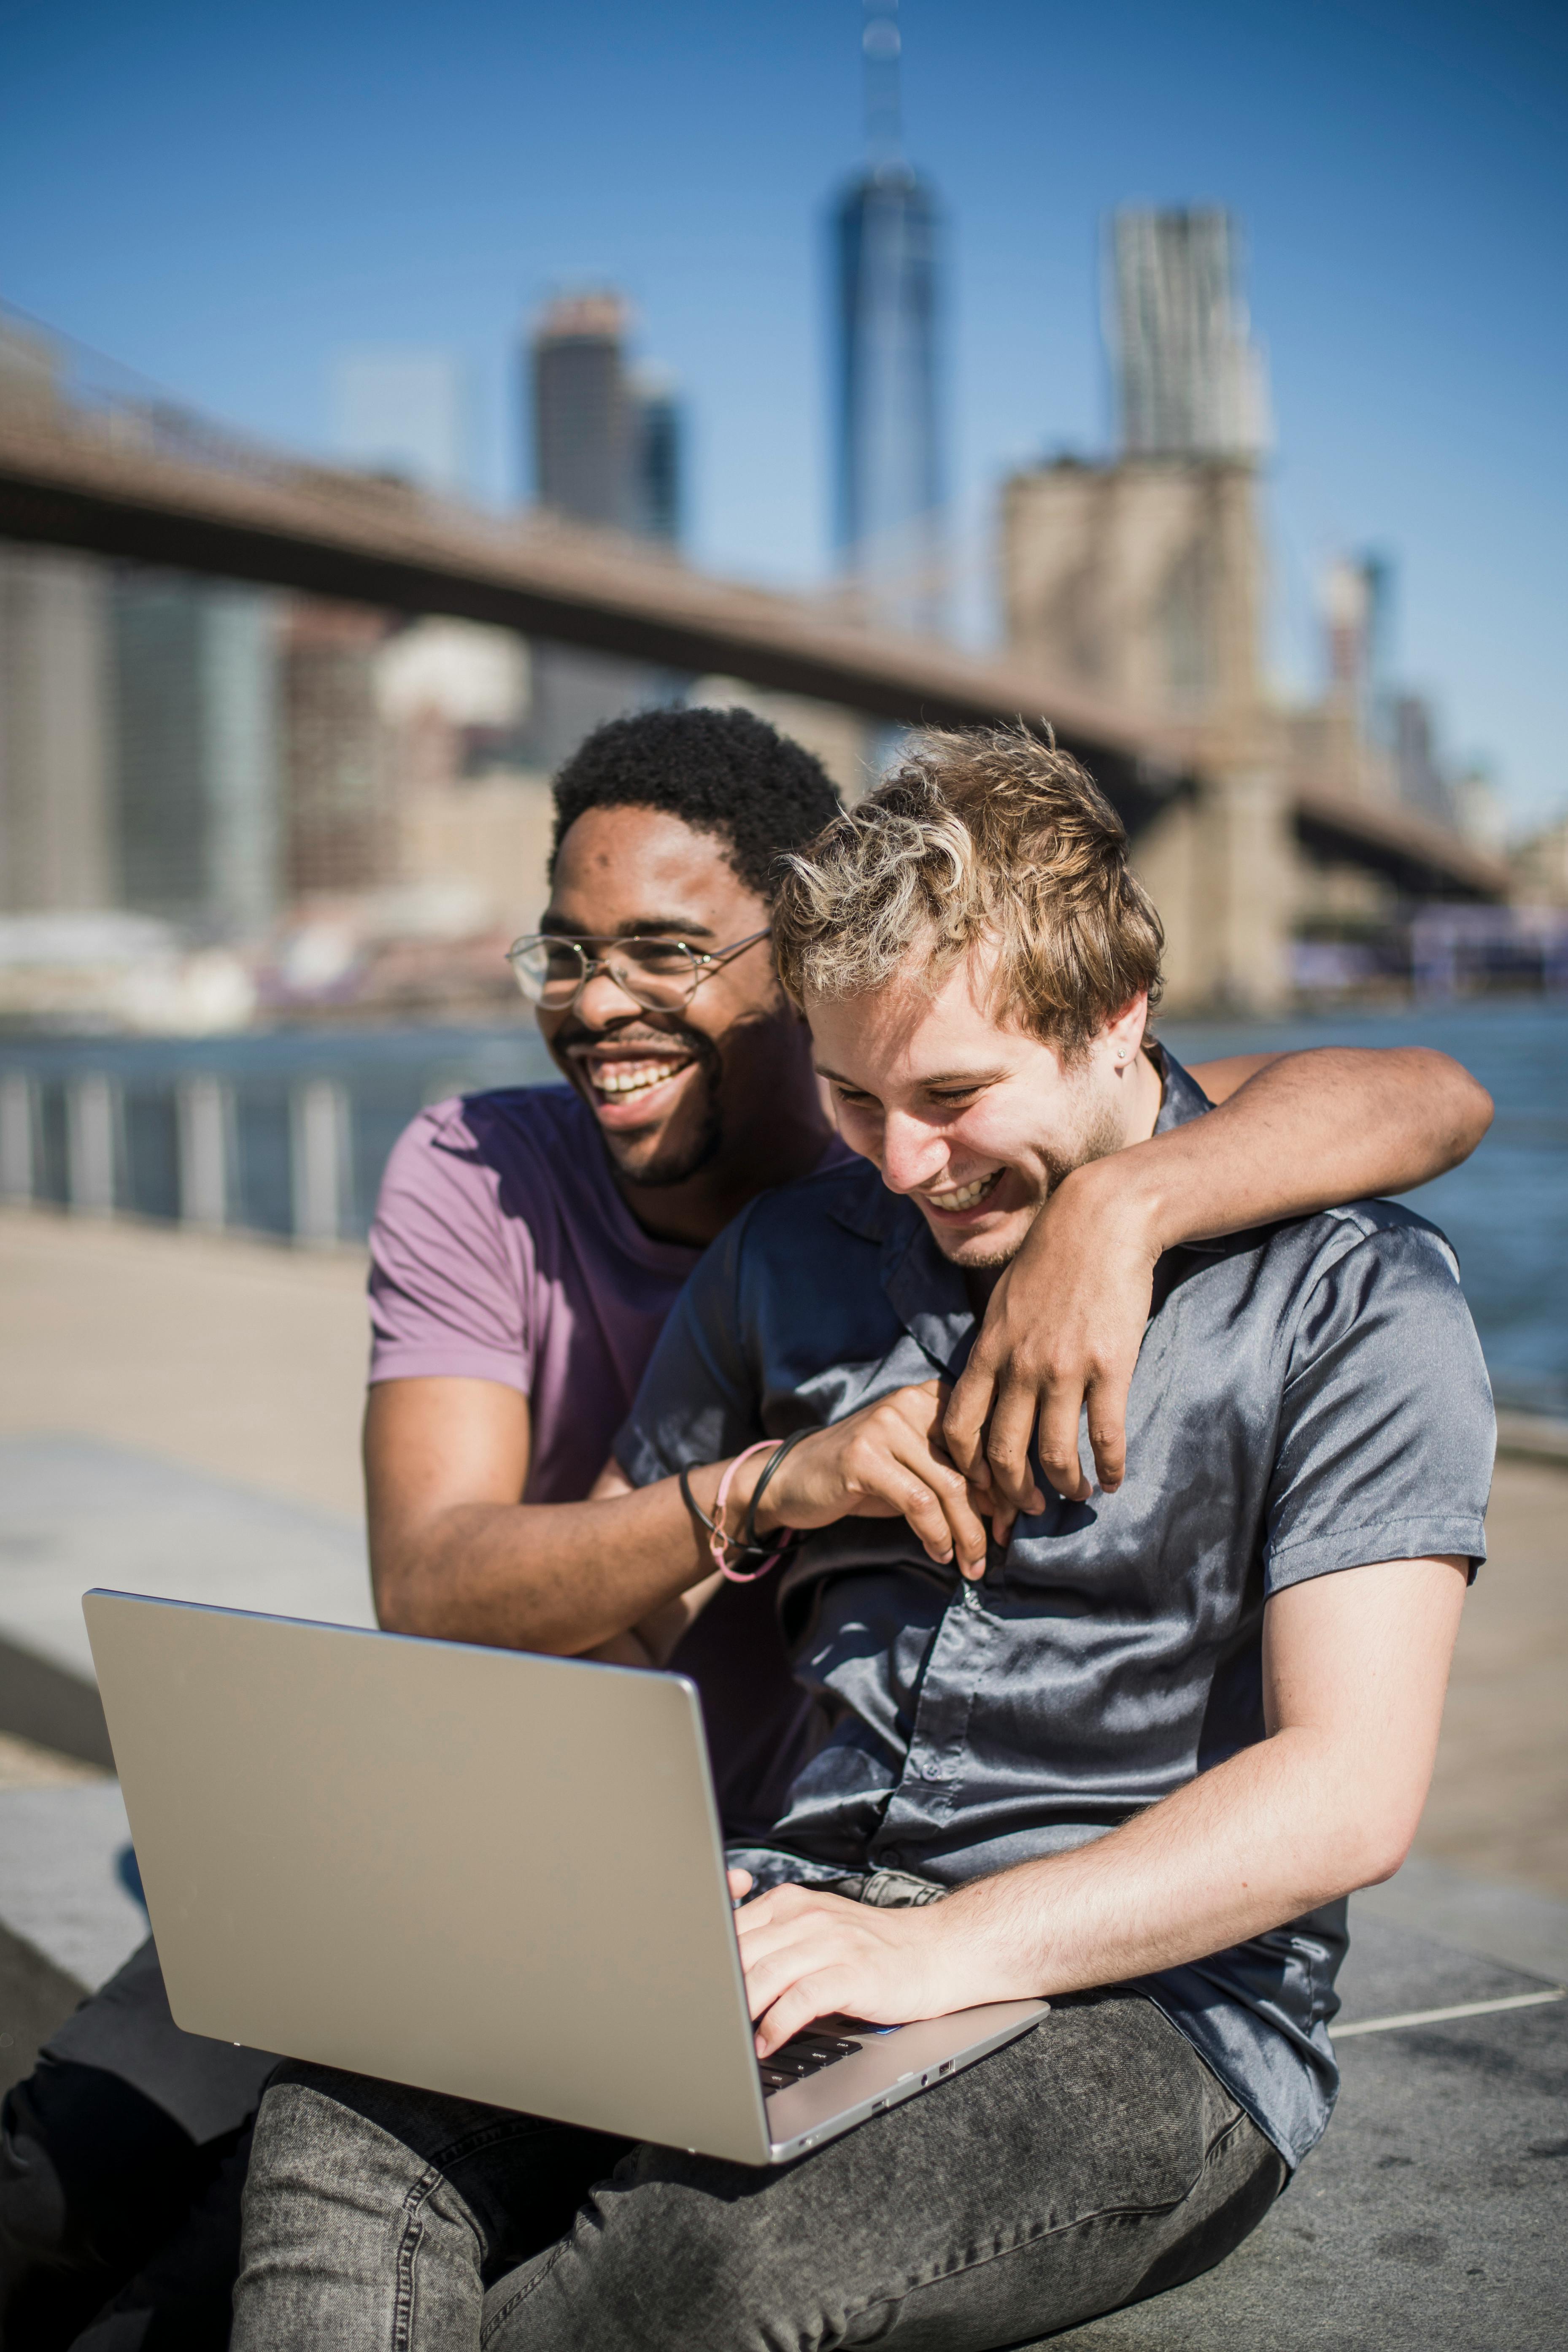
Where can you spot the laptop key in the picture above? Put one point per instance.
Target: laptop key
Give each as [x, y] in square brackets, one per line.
[808, 2054]
[831, 2046]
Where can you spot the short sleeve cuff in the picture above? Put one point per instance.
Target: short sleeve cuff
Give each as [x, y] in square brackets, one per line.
[1376, 1540]
[461, 1360]
[639, 1457]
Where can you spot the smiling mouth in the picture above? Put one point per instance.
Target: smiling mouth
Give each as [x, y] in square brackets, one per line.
[615, 1080]
[964, 1196]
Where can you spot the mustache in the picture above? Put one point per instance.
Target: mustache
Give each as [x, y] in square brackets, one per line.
[578, 1035]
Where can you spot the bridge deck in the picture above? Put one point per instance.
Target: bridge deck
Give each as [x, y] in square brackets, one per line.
[138, 486]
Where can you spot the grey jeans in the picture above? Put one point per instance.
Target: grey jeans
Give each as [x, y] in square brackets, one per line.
[1093, 2162]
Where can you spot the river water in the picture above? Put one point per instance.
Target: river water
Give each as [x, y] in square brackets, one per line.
[1506, 1211]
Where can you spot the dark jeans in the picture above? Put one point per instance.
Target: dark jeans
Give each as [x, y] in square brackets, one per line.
[1091, 2163]
[122, 2159]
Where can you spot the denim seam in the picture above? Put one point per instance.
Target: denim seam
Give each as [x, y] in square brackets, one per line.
[417, 2198]
[498, 2318]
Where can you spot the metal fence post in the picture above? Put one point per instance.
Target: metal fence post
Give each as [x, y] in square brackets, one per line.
[19, 1136]
[203, 1123]
[319, 1137]
[90, 1144]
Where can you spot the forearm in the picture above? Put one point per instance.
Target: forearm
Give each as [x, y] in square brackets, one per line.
[1309, 1130]
[559, 1578]
[1261, 1839]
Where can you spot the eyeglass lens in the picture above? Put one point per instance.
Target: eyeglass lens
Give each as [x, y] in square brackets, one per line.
[658, 973]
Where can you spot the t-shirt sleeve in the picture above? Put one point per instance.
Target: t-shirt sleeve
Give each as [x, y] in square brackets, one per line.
[697, 1401]
[1387, 1432]
[449, 1275]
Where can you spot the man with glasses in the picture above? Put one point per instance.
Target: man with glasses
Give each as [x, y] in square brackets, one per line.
[529, 1246]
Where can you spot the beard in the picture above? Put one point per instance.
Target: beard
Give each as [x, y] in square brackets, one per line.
[678, 1157]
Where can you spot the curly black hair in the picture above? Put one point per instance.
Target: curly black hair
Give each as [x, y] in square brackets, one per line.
[724, 772]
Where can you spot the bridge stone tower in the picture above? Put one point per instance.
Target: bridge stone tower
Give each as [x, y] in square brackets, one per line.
[1142, 581]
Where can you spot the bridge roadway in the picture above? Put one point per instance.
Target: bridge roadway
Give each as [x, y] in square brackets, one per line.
[162, 488]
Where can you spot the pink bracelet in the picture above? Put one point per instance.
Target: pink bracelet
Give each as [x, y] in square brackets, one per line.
[718, 1540]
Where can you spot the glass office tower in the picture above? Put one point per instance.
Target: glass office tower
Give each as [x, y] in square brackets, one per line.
[889, 493]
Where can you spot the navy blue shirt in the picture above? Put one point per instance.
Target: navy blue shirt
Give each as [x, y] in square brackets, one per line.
[1310, 1396]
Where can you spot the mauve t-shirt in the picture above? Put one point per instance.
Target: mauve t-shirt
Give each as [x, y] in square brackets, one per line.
[502, 1251]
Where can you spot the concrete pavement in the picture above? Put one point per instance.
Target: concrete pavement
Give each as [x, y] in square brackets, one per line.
[181, 1415]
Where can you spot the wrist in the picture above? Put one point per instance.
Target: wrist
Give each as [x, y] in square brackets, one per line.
[1129, 1193]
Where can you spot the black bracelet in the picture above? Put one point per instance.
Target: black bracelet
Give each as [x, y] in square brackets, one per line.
[748, 1524]
[691, 1503]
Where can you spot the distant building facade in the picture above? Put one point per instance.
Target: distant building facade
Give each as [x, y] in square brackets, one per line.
[59, 848]
[338, 819]
[196, 752]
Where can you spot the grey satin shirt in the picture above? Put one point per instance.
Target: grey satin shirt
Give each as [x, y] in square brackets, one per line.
[1309, 1396]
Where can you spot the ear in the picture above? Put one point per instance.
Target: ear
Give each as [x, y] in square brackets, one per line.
[1124, 1033]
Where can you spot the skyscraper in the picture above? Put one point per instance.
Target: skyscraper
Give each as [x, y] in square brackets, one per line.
[888, 524]
[1189, 380]
[606, 450]
[582, 435]
[657, 471]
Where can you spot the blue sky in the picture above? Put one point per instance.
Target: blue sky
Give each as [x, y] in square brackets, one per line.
[225, 199]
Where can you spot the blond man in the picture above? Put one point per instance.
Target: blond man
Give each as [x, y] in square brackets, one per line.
[1129, 1750]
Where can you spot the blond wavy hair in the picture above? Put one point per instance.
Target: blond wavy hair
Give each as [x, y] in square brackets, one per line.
[982, 836]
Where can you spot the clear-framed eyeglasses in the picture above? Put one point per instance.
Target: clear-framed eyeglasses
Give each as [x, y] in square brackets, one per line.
[661, 976]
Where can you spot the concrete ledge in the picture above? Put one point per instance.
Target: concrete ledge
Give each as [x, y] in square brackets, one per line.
[75, 1513]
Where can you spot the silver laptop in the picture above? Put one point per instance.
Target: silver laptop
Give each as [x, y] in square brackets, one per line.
[472, 1869]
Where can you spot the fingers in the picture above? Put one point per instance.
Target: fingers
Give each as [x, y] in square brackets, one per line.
[1060, 1411]
[889, 1459]
[964, 1424]
[740, 1883]
[821, 1995]
[1108, 1428]
[1007, 1443]
[805, 1955]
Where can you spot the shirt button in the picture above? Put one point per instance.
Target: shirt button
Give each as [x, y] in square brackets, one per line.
[892, 1855]
[931, 1769]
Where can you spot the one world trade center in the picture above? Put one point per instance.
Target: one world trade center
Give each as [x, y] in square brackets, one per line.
[888, 521]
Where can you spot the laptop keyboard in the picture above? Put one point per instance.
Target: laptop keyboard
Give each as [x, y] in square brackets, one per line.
[808, 2054]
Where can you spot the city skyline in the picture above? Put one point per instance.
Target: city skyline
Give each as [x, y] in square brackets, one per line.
[1399, 172]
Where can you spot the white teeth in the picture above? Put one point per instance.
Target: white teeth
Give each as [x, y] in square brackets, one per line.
[632, 1078]
[964, 1196]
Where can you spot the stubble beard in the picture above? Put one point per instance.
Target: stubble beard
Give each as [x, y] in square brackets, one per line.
[674, 1160]
[1103, 1137]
